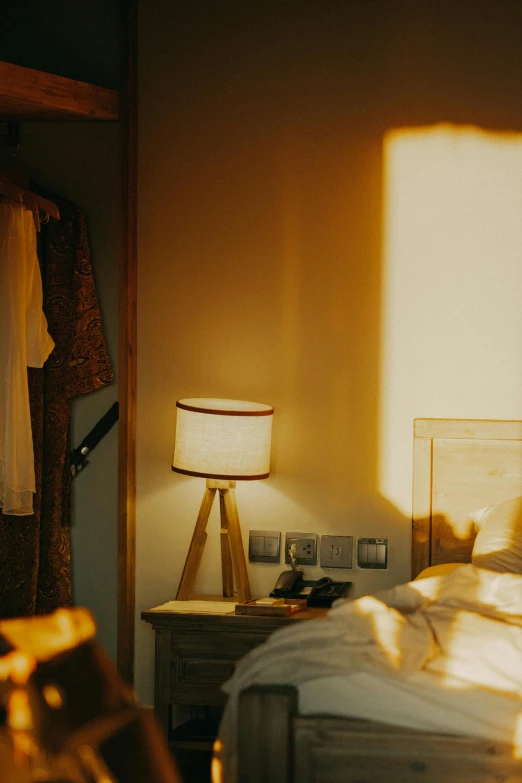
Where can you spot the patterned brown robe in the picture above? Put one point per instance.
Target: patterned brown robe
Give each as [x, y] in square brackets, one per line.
[35, 559]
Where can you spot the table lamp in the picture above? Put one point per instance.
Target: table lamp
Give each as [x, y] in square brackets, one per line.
[223, 441]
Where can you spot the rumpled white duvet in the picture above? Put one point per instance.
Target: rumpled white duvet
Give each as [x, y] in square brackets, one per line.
[459, 635]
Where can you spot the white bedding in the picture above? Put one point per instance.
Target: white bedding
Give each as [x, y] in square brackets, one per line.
[420, 701]
[440, 654]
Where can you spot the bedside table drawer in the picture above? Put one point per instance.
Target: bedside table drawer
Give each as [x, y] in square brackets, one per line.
[196, 671]
[203, 661]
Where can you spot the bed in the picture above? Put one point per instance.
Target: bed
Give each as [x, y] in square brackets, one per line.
[460, 466]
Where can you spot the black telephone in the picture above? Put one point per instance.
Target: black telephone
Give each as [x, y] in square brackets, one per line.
[323, 593]
[288, 584]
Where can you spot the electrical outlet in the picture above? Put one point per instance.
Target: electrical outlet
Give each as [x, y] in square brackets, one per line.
[306, 548]
[336, 551]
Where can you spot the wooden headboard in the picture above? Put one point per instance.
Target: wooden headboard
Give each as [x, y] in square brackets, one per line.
[459, 466]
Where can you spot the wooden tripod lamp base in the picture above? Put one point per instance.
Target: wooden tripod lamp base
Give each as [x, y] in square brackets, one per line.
[233, 563]
[221, 440]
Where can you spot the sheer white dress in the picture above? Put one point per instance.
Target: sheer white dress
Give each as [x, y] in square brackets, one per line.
[24, 342]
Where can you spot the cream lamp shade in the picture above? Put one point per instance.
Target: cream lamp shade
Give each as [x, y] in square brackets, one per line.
[223, 439]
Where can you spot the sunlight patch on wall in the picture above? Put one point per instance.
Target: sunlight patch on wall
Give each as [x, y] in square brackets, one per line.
[452, 284]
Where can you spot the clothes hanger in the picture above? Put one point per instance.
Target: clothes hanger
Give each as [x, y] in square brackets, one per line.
[11, 190]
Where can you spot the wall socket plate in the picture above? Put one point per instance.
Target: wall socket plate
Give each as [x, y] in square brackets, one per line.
[306, 544]
[264, 546]
[372, 553]
[336, 551]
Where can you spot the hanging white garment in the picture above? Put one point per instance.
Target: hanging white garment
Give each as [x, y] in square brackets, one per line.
[24, 341]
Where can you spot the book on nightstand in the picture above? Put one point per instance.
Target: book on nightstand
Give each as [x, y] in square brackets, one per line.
[274, 607]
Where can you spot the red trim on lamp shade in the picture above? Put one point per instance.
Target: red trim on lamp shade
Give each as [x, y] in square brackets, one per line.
[219, 475]
[269, 412]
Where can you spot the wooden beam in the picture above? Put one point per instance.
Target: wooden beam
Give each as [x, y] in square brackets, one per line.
[27, 94]
[479, 429]
[421, 517]
[127, 349]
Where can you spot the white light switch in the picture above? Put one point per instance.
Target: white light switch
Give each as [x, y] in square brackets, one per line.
[264, 546]
[257, 545]
[372, 553]
[271, 547]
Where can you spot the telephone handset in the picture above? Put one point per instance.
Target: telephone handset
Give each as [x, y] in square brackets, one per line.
[322, 593]
[288, 585]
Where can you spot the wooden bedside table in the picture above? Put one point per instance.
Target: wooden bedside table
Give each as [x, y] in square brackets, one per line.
[197, 653]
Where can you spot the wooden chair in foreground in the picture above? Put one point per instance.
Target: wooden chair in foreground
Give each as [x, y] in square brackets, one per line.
[66, 714]
[277, 744]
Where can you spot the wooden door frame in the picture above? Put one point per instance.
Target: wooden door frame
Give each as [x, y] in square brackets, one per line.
[127, 345]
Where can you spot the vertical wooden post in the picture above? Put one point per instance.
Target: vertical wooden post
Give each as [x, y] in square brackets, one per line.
[422, 511]
[197, 545]
[227, 573]
[264, 734]
[162, 675]
[236, 547]
[127, 320]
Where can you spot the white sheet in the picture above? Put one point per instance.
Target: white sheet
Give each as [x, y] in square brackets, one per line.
[24, 342]
[420, 701]
[443, 653]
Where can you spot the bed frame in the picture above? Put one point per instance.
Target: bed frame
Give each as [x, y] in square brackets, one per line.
[277, 745]
[459, 466]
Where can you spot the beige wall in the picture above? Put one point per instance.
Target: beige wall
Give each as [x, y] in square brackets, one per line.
[452, 261]
[262, 254]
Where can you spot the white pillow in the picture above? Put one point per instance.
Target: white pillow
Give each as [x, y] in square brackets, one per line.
[479, 517]
[438, 570]
[498, 545]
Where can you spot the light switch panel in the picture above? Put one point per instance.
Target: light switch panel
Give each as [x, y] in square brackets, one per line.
[264, 546]
[372, 553]
[336, 551]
